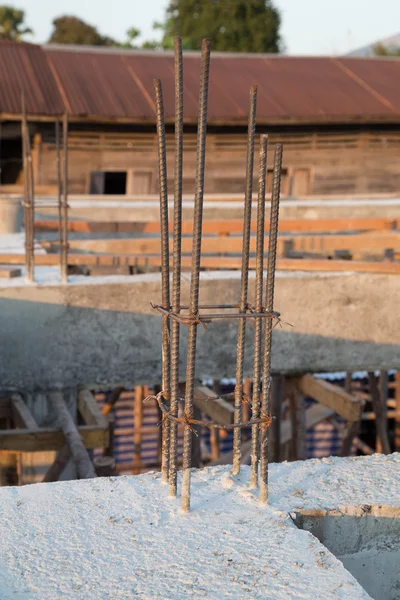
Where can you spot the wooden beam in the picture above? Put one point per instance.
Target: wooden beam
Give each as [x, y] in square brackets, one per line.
[314, 415]
[79, 453]
[47, 439]
[114, 397]
[325, 244]
[218, 409]
[227, 227]
[210, 262]
[329, 395]
[90, 410]
[9, 272]
[22, 416]
[55, 470]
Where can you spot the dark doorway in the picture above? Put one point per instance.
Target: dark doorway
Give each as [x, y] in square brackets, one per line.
[108, 182]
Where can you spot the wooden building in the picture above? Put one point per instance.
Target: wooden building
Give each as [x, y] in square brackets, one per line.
[339, 119]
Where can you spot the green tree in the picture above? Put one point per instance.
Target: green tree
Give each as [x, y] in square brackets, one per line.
[12, 24]
[381, 50]
[71, 30]
[232, 25]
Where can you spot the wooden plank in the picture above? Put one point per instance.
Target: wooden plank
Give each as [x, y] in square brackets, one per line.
[22, 416]
[78, 451]
[218, 409]
[228, 226]
[55, 470]
[226, 244]
[380, 413]
[47, 439]
[9, 272]
[212, 262]
[331, 396]
[90, 410]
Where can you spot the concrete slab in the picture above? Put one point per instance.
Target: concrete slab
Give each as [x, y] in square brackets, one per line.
[102, 331]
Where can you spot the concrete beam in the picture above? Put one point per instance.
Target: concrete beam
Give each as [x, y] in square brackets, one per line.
[109, 209]
[103, 331]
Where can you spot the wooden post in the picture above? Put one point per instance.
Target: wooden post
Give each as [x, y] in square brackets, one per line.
[140, 394]
[397, 420]
[114, 397]
[196, 441]
[79, 453]
[298, 418]
[277, 391]
[383, 393]
[109, 451]
[380, 414]
[55, 470]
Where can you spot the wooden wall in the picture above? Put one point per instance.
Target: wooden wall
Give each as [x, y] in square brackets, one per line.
[314, 163]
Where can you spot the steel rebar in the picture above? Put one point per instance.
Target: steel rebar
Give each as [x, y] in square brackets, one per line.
[163, 187]
[258, 307]
[195, 271]
[28, 197]
[59, 197]
[241, 341]
[64, 274]
[176, 274]
[269, 305]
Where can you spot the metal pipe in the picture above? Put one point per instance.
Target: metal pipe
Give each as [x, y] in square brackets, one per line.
[269, 305]
[176, 274]
[64, 273]
[59, 197]
[163, 185]
[241, 341]
[195, 272]
[258, 306]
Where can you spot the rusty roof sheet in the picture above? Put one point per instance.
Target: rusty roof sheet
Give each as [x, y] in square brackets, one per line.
[109, 84]
[25, 68]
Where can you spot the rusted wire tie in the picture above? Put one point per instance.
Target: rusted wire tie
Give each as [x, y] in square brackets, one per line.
[264, 422]
[203, 319]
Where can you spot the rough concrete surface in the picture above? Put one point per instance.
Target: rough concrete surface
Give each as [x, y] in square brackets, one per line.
[103, 331]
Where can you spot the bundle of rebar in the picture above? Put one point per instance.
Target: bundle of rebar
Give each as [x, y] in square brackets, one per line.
[173, 314]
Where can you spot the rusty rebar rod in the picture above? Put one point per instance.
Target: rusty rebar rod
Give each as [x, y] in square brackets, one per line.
[241, 341]
[176, 274]
[258, 306]
[59, 197]
[195, 271]
[269, 304]
[163, 187]
[28, 195]
[64, 274]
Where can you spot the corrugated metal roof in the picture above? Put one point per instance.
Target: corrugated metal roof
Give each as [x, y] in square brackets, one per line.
[24, 67]
[114, 84]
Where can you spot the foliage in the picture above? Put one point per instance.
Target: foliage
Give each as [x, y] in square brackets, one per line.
[232, 25]
[381, 50]
[11, 24]
[71, 30]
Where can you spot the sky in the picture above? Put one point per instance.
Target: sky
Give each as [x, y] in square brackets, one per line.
[319, 27]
